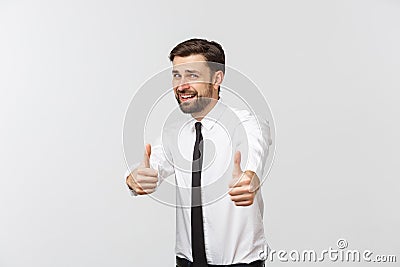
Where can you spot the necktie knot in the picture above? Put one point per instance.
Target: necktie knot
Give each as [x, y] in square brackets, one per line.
[197, 125]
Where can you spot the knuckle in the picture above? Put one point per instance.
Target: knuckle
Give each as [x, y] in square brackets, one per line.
[138, 178]
[138, 188]
[149, 190]
[140, 192]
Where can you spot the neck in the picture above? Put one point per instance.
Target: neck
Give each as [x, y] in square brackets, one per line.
[200, 115]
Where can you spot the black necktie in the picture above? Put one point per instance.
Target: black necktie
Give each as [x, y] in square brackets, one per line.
[198, 249]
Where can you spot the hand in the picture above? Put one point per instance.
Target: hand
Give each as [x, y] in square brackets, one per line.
[243, 185]
[143, 180]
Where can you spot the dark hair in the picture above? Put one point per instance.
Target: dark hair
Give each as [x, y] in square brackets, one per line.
[210, 50]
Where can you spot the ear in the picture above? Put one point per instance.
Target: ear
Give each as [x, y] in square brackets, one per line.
[217, 79]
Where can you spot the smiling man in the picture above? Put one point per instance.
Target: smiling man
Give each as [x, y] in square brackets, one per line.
[219, 207]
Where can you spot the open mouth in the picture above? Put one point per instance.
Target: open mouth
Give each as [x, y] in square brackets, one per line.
[186, 97]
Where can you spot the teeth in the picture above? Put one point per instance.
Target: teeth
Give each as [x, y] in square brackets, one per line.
[187, 96]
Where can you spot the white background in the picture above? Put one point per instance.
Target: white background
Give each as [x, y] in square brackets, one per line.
[68, 69]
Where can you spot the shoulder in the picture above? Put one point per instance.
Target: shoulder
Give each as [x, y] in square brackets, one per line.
[252, 123]
[246, 116]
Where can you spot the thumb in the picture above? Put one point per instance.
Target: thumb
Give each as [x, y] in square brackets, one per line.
[146, 157]
[237, 170]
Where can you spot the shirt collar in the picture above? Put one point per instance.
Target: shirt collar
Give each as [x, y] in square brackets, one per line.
[212, 117]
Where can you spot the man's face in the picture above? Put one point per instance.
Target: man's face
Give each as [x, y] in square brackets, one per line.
[191, 80]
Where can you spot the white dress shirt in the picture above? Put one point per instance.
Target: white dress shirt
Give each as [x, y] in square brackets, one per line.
[232, 234]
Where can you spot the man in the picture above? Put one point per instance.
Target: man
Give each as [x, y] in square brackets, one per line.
[223, 225]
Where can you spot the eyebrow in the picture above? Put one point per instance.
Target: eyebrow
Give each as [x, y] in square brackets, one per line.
[188, 71]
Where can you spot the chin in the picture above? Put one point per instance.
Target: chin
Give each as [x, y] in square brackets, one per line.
[189, 110]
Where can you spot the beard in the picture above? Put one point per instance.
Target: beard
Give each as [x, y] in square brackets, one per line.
[197, 104]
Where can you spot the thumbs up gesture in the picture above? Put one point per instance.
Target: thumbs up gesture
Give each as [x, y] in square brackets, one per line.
[143, 180]
[243, 185]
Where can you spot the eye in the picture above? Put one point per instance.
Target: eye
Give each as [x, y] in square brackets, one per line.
[176, 75]
[194, 76]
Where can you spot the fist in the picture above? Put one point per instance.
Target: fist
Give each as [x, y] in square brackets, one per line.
[143, 180]
[243, 185]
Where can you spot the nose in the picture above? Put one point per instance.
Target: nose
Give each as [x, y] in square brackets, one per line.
[182, 86]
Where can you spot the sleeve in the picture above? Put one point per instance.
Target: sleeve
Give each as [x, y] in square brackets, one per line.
[160, 160]
[254, 142]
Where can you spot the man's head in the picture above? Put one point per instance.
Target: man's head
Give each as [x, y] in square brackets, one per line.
[198, 71]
